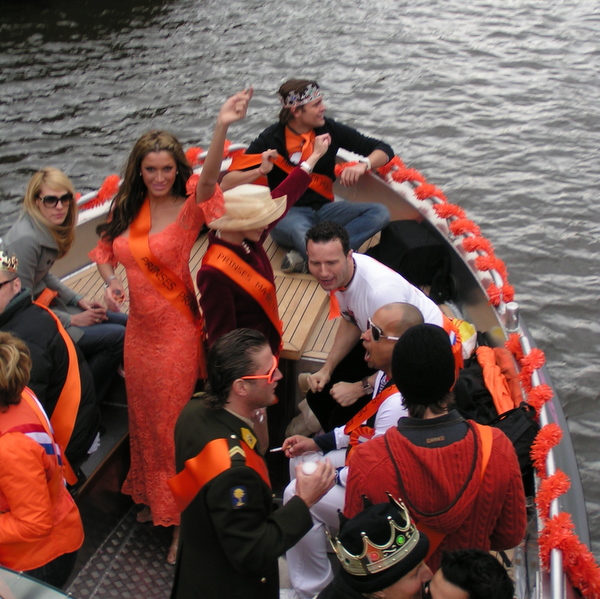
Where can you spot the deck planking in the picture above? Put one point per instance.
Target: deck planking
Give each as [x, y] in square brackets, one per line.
[301, 300]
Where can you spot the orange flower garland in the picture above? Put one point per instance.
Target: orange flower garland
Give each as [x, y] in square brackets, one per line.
[558, 532]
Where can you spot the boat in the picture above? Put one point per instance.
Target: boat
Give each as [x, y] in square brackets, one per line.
[554, 559]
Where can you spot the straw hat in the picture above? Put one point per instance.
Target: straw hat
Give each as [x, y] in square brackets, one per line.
[249, 207]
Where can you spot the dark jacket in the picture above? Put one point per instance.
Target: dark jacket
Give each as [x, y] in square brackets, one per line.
[50, 361]
[342, 136]
[227, 550]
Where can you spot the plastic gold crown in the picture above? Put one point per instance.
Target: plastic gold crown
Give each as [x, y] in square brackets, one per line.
[376, 558]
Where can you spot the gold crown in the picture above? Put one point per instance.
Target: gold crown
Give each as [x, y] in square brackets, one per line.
[376, 558]
[7, 262]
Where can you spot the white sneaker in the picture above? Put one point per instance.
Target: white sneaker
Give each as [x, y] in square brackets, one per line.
[293, 262]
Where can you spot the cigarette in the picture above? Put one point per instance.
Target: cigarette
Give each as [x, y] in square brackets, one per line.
[275, 449]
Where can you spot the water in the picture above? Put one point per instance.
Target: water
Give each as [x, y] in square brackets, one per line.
[497, 103]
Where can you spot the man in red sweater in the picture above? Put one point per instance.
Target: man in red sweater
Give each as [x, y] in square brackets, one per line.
[460, 481]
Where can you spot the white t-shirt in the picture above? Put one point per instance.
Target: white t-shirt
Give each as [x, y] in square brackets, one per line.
[374, 285]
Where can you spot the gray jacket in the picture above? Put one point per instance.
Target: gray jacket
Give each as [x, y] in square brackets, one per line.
[37, 252]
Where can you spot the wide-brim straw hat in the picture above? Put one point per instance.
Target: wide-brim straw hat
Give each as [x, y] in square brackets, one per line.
[248, 207]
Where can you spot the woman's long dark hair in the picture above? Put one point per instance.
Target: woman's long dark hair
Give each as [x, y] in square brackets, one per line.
[130, 197]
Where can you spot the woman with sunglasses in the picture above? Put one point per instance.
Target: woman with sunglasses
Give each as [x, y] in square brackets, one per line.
[44, 233]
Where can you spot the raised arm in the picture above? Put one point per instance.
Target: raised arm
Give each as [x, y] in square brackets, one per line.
[234, 109]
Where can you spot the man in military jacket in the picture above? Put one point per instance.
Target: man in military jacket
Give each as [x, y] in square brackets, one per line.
[230, 537]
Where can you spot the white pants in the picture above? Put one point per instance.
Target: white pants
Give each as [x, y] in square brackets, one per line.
[309, 568]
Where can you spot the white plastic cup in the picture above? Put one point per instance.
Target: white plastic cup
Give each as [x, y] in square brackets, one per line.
[310, 461]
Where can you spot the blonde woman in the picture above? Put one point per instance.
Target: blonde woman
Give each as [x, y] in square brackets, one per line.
[44, 233]
[40, 526]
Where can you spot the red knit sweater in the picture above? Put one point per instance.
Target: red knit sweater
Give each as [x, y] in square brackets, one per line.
[443, 488]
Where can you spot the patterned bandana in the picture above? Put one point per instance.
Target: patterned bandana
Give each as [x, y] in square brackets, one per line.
[310, 93]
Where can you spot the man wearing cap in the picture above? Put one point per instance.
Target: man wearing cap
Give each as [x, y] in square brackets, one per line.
[236, 279]
[461, 481]
[309, 569]
[60, 377]
[358, 285]
[301, 119]
[381, 554]
[230, 537]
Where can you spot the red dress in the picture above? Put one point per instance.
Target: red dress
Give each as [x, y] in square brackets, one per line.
[160, 358]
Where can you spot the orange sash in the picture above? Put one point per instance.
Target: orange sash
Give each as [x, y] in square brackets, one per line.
[371, 408]
[166, 282]
[322, 184]
[359, 433]
[243, 275]
[29, 398]
[67, 406]
[486, 437]
[215, 458]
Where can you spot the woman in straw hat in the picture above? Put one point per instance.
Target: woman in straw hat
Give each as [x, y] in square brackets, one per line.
[236, 279]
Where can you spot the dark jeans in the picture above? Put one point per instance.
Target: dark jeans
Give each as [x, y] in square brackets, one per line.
[57, 571]
[351, 369]
[102, 346]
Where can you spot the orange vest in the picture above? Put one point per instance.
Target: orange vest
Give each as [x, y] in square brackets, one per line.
[47, 525]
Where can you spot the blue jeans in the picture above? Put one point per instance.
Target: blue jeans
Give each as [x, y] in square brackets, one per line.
[361, 221]
[102, 346]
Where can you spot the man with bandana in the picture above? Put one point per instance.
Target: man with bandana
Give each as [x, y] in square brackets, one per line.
[301, 118]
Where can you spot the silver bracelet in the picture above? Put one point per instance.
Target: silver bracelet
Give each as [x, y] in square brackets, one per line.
[304, 165]
[107, 282]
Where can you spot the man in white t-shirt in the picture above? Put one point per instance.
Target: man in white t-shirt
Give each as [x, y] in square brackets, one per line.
[359, 285]
[309, 569]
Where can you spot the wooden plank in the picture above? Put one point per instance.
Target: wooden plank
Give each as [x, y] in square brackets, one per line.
[301, 300]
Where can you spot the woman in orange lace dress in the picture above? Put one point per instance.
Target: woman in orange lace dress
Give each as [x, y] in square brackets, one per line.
[151, 230]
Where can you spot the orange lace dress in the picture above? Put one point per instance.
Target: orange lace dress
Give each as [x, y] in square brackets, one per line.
[160, 358]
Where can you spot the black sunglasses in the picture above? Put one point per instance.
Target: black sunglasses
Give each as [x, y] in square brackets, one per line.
[377, 333]
[52, 201]
[6, 282]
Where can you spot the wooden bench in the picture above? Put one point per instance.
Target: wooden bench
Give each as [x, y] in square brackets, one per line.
[301, 300]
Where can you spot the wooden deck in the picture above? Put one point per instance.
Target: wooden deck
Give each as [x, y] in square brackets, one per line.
[302, 302]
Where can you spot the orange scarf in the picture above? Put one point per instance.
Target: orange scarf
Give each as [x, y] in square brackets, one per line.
[243, 275]
[322, 184]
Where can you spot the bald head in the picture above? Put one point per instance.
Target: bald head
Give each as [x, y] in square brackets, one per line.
[391, 320]
[400, 317]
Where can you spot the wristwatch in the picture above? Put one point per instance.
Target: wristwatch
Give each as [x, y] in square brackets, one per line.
[365, 160]
[367, 387]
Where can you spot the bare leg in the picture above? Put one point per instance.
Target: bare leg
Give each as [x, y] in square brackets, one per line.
[144, 515]
[172, 555]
